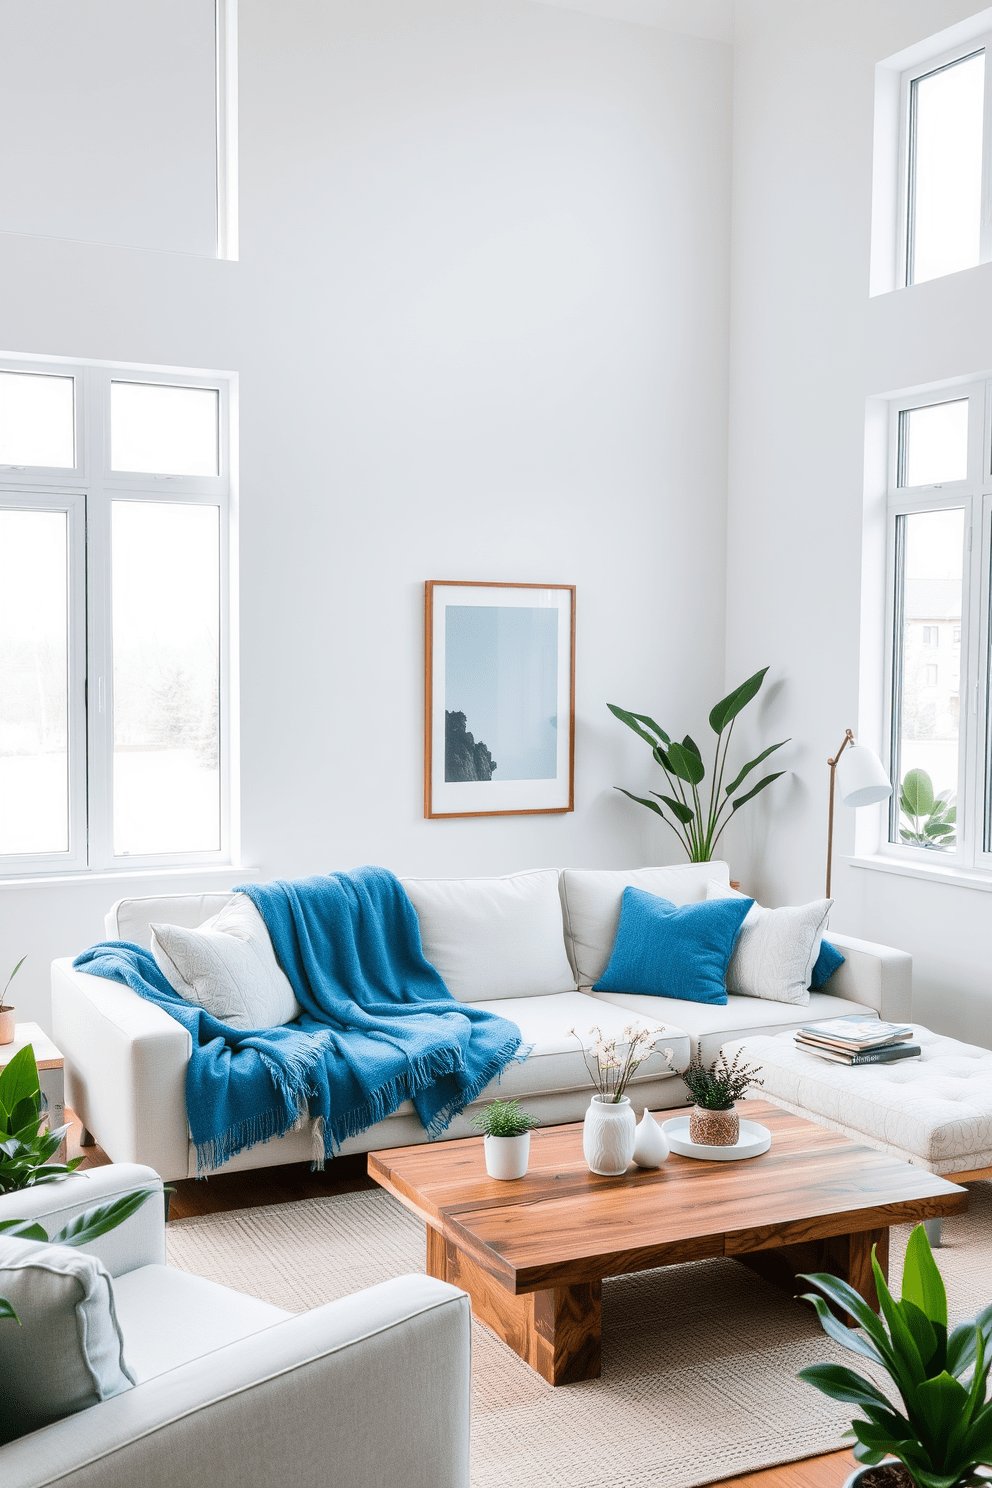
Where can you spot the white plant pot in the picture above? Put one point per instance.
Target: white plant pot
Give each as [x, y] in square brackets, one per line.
[650, 1145]
[609, 1132]
[507, 1157]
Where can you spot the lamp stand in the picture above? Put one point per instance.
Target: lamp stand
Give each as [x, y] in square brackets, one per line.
[848, 739]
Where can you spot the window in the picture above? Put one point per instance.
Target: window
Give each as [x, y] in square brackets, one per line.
[114, 726]
[940, 565]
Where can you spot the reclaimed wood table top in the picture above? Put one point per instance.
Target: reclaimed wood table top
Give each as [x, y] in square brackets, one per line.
[561, 1224]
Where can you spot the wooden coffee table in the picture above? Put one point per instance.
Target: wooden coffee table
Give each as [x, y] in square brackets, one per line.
[532, 1254]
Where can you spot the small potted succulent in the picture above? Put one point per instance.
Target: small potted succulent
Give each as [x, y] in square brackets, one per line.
[8, 1013]
[939, 1432]
[507, 1132]
[713, 1120]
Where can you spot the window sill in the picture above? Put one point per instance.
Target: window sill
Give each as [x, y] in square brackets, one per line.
[959, 878]
[130, 875]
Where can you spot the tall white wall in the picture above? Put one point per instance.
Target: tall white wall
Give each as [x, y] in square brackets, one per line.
[480, 321]
[809, 348]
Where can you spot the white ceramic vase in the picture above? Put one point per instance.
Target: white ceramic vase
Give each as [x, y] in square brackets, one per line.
[650, 1144]
[608, 1135]
[507, 1157]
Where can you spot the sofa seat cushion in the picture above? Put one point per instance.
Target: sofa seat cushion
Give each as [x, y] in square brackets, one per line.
[494, 937]
[710, 1026]
[169, 1317]
[556, 1062]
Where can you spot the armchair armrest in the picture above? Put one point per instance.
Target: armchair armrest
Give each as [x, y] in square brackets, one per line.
[370, 1390]
[139, 1241]
[125, 1069]
[876, 975]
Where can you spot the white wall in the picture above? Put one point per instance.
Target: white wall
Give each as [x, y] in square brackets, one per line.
[481, 326]
[808, 349]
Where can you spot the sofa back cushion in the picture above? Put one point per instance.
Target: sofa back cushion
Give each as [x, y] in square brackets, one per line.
[132, 919]
[591, 901]
[68, 1352]
[494, 937]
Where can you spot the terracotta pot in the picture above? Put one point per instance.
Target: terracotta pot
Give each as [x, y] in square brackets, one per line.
[506, 1157]
[8, 1016]
[714, 1128]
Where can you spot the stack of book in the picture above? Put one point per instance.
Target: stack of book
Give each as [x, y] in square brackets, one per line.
[856, 1040]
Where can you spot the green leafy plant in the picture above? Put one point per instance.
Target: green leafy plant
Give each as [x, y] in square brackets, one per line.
[504, 1118]
[944, 1430]
[717, 1086]
[932, 818]
[699, 820]
[4, 1005]
[87, 1226]
[26, 1143]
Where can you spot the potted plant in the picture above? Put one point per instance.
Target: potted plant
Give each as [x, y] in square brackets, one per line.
[713, 1120]
[940, 1431]
[507, 1132]
[609, 1131]
[8, 1014]
[26, 1143]
[698, 821]
[931, 819]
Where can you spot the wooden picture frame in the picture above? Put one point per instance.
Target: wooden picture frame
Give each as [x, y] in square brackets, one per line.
[499, 681]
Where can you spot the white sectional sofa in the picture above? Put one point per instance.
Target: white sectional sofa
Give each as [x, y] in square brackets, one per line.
[529, 946]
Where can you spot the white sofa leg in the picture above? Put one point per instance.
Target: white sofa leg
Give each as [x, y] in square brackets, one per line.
[933, 1227]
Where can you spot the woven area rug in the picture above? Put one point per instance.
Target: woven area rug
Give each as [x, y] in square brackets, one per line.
[699, 1361]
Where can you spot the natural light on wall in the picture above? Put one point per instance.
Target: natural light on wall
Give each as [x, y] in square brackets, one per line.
[945, 170]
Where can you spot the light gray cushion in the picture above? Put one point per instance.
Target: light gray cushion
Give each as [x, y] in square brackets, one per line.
[228, 966]
[68, 1352]
[776, 949]
[131, 919]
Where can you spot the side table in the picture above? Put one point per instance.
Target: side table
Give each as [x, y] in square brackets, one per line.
[51, 1076]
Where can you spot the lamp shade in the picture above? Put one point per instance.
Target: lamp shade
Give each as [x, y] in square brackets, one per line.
[861, 777]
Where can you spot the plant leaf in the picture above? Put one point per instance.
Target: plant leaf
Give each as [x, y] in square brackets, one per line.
[844, 1384]
[739, 802]
[93, 1223]
[751, 765]
[634, 721]
[642, 800]
[23, 1229]
[922, 1282]
[6, 1311]
[917, 788]
[876, 1350]
[684, 813]
[685, 764]
[19, 1081]
[729, 707]
[691, 744]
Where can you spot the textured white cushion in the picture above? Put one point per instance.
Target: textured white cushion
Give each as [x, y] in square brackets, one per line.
[776, 949]
[591, 902]
[68, 1353]
[494, 937]
[228, 966]
[131, 919]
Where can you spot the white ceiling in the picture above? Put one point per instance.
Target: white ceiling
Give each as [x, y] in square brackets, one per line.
[712, 19]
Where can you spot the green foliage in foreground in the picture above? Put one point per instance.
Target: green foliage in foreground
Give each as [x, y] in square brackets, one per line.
[26, 1144]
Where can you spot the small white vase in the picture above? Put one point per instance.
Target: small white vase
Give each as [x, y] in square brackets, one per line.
[608, 1135]
[650, 1145]
[507, 1157]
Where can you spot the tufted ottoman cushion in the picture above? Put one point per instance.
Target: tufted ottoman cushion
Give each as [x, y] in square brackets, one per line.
[935, 1111]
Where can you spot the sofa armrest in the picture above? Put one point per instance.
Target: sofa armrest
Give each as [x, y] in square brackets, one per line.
[876, 975]
[370, 1390]
[125, 1069]
[139, 1241]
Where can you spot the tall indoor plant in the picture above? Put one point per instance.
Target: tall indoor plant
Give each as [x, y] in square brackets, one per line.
[700, 816]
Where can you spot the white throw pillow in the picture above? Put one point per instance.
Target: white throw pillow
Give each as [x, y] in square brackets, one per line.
[228, 967]
[68, 1352]
[776, 949]
[494, 937]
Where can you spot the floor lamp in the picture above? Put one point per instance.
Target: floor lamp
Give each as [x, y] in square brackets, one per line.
[863, 781]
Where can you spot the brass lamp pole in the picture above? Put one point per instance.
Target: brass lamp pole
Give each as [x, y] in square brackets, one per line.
[863, 783]
[848, 739]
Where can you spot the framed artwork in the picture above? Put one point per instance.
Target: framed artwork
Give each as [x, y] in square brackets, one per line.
[499, 713]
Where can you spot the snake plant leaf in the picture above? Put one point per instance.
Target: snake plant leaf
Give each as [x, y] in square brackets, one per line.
[909, 1371]
[844, 1297]
[922, 1282]
[18, 1081]
[729, 707]
[930, 1338]
[634, 721]
[98, 1221]
[684, 813]
[767, 780]
[642, 801]
[846, 1337]
[918, 791]
[685, 764]
[751, 764]
[6, 1311]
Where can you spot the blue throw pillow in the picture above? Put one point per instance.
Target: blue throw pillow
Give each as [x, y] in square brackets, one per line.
[826, 964]
[664, 951]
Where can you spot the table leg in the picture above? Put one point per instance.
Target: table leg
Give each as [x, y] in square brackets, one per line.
[845, 1256]
[557, 1332]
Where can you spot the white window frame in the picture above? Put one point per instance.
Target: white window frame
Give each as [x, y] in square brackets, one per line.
[973, 495]
[87, 492]
[982, 43]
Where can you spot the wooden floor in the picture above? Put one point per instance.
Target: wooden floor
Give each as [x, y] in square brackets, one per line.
[262, 1186]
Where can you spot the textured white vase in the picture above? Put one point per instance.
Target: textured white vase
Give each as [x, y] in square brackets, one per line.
[507, 1157]
[608, 1135]
[650, 1144]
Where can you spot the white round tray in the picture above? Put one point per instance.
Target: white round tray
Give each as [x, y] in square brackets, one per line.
[753, 1140]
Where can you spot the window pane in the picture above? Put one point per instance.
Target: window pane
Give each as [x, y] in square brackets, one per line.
[166, 595]
[930, 553]
[36, 420]
[946, 183]
[34, 678]
[163, 430]
[933, 444]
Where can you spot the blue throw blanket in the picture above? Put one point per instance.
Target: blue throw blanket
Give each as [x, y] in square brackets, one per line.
[379, 1025]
